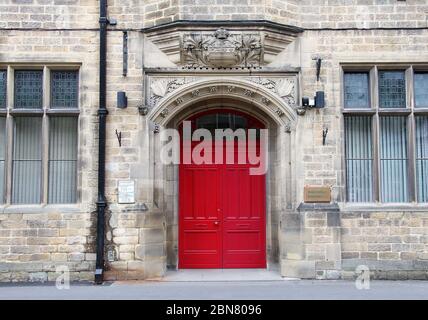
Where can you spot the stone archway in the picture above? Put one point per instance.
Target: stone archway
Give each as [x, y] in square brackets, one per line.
[272, 97]
[252, 98]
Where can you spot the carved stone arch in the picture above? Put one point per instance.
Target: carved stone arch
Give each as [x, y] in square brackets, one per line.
[256, 99]
[247, 91]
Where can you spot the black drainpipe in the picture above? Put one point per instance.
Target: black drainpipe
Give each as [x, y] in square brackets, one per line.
[102, 114]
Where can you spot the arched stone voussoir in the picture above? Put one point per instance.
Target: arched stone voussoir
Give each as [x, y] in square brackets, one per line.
[250, 92]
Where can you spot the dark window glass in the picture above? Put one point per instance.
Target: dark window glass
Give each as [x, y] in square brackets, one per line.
[357, 90]
[393, 159]
[359, 159]
[64, 89]
[3, 79]
[208, 122]
[392, 89]
[223, 121]
[28, 89]
[421, 89]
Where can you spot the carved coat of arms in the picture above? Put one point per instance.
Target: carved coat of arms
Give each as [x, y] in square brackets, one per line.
[221, 50]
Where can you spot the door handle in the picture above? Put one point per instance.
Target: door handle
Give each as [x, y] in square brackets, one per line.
[216, 223]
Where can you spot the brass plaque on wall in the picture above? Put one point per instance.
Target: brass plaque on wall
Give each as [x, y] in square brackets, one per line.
[314, 194]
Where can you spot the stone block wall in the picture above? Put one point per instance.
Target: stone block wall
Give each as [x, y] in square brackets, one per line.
[136, 240]
[310, 14]
[34, 245]
[393, 245]
[49, 14]
[319, 14]
[317, 237]
[334, 243]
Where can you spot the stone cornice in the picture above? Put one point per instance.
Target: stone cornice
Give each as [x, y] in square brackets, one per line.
[202, 25]
[218, 44]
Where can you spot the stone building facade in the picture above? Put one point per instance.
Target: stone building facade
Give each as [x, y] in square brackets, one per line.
[287, 50]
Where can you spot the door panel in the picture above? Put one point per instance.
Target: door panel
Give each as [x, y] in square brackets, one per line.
[243, 218]
[200, 230]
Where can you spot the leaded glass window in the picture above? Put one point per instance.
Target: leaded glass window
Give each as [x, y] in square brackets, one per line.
[3, 79]
[393, 159]
[28, 89]
[422, 158]
[356, 89]
[392, 89]
[421, 89]
[64, 89]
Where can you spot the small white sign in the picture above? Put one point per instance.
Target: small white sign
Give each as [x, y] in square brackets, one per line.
[126, 190]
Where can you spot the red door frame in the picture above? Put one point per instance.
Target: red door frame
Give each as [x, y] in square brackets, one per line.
[218, 226]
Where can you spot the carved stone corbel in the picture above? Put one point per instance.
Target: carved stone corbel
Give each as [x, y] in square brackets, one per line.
[143, 110]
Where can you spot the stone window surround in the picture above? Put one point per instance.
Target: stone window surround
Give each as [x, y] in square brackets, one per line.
[9, 112]
[375, 112]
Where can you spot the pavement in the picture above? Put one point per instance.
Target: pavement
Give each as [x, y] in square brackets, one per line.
[219, 285]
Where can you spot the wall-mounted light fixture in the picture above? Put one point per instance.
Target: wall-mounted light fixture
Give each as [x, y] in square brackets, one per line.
[122, 100]
[317, 102]
[112, 21]
[320, 99]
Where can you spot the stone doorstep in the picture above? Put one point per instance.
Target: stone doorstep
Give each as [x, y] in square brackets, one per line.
[220, 275]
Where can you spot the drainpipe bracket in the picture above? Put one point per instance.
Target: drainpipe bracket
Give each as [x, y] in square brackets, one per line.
[103, 20]
[102, 111]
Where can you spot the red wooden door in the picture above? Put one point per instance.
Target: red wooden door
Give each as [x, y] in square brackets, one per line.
[200, 236]
[243, 213]
[221, 216]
